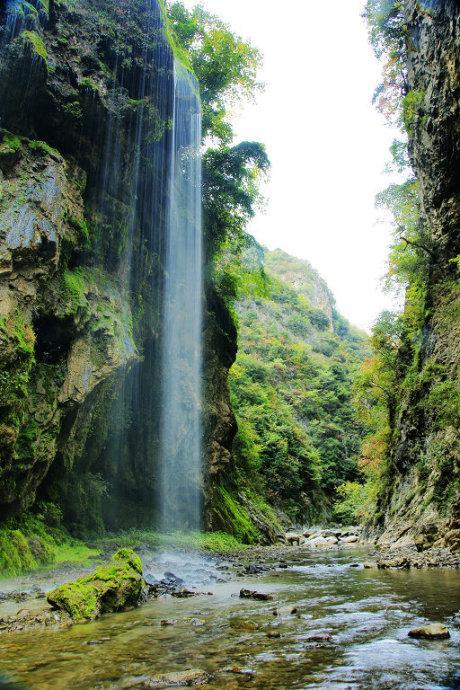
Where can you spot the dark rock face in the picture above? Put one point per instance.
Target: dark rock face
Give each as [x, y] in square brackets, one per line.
[422, 499]
[79, 329]
[220, 354]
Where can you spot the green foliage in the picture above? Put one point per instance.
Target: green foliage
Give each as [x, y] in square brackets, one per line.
[387, 36]
[298, 437]
[31, 543]
[225, 65]
[412, 104]
[356, 503]
[230, 193]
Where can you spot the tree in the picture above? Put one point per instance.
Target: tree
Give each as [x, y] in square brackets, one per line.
[387, 37]
[226, 66]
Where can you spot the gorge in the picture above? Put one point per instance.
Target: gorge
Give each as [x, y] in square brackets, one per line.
[172, 387]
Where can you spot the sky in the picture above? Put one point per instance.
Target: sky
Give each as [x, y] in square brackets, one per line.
[327, 144]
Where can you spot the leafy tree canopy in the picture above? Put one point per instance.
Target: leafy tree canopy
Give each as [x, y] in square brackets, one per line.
[225, 65]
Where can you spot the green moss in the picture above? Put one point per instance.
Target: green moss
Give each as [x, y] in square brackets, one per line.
[178, 52]
[76, 288]
[111, 587]
[35, 42]
[17, 345]
[28, 544]
[235, 517]
[15, 554]
[42, 148]
[88, 84]
[82, 228]
[10, 146]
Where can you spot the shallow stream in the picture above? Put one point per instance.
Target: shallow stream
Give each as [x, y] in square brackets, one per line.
[367, 614]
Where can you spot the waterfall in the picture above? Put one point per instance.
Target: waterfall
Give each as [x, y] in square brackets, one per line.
[181, 351]
[135, 134]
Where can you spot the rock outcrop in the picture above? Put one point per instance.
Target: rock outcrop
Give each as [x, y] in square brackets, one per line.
[85, 112]
[421, 503]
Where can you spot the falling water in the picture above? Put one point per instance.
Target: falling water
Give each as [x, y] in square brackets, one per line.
[181, 358]
[141, 464]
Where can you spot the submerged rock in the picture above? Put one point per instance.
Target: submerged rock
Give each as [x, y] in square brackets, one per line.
[112, 587]
[435, 631]
[178, 679]
[259, 596]
[244, 624]
[319, 637]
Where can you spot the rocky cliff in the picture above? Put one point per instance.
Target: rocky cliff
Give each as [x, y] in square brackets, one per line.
[421, 499]
[85, 111]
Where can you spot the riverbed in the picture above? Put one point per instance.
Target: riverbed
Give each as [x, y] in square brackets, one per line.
[331, 624]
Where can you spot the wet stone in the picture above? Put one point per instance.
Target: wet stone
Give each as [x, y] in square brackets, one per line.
[180, 679]
[319, 637]
[258, 596]
[436, 631]
[243, 624]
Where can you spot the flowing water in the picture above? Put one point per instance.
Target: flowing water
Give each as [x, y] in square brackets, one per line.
[367, 613]
[180, 426]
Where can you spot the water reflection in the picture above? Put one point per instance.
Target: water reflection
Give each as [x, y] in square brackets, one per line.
[366, 613]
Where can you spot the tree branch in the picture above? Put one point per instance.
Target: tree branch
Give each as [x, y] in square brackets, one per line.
[418, 245]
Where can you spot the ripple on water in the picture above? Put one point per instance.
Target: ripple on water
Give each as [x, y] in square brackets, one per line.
[366, 615]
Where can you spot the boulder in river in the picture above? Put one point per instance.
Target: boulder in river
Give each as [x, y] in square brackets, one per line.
[435, 631]
[352, 539]
[292, 538]
[112, 587]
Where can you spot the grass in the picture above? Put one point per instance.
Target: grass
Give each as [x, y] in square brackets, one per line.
[75, 552]
[217, 542]
[16, 557]
[30, 546]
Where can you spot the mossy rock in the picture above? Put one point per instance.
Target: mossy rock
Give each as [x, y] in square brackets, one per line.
[112, 587]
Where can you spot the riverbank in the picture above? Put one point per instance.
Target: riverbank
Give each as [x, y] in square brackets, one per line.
[23, 599]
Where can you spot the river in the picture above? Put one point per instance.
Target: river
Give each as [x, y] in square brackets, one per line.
[363, 614]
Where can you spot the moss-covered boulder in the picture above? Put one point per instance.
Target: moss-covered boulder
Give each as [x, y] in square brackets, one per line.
[112, 587]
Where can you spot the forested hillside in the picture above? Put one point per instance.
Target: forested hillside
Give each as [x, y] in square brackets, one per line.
[291, 386]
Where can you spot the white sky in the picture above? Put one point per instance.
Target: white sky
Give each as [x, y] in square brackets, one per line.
[327, 144]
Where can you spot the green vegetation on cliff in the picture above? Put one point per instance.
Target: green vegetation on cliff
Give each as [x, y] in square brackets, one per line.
[409, 390]
[38, 540]
[298, 437]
